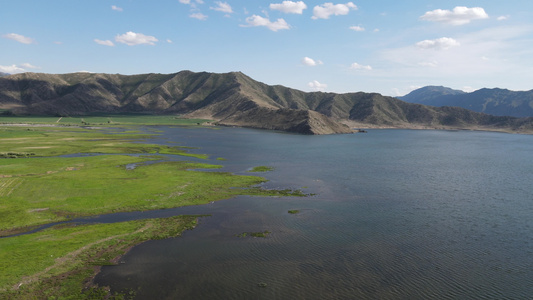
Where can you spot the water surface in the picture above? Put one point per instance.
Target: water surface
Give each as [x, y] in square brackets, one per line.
[398, 214]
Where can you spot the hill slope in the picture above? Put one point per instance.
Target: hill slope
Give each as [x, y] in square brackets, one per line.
[231, 99]
[499, 102]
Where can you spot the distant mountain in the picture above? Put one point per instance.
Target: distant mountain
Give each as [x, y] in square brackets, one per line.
[232, 99]
[499, 102]
[2, 74]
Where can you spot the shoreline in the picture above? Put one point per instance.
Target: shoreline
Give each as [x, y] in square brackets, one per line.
[357, 125]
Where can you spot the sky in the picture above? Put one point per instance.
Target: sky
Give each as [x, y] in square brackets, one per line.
[385, 46]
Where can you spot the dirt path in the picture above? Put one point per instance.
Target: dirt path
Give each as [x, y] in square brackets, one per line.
[70, 257]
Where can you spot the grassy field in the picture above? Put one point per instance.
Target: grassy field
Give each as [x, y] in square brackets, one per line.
[107, 120]
[56, 263]
[38, 187]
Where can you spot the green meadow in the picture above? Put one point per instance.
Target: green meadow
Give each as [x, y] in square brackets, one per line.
[37, 187]
[103, 119]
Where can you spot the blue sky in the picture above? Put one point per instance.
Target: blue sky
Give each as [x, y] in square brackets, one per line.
[389, 47]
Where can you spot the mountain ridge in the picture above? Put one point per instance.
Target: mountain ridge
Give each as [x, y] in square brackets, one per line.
[494, 101]
[232, 99]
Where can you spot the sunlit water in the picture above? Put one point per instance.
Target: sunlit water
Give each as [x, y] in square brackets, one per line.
[398, 214]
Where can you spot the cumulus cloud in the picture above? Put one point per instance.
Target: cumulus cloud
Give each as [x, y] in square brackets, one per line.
[356, 66]
[311, 62]
[256, 20]
[11, 69]
[357, 28]
[114, 7]
[289, 7]
[502, 18]
[17, 69]
[443, 43]
[223, 7]
[19, 38]
[131, 39]
[199, 16]
[105, 43]
[192, 4]
[29, 66]
[317, 86]
[169, 41]
[325, 10]
[459, 16]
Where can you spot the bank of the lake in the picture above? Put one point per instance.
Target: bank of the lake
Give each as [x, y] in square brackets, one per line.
[42, 182]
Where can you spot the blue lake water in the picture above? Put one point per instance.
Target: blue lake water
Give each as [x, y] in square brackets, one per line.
[398, 214]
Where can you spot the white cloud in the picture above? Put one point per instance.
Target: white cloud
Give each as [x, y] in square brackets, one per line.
[325, 10]
[443, 43]
[131, 39]
[502, 18]
[256, 20]
[189, 2]
[429, 64]
[114, 7]
[289, 7]
[311, 62]
[223, 7]
[357, 28]
[19, 38]
[317, 86]
[396, 92]
[506, 46]
[356, 66]
[29, 66]
[459, 16]
[11, 69]
[105, 43]
[169, 41]
[17, 69]
[199, 16]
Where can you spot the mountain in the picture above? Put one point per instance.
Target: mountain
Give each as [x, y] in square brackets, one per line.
[499, 102]
[2, 74]
[428, 94]
[232, 99]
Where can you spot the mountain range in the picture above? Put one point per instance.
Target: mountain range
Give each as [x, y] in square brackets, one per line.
[232, 99]
[498, 102]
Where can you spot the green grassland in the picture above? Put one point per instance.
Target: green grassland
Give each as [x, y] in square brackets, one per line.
[56, 263]
[53, 141]
[103, 119]
[38, 187]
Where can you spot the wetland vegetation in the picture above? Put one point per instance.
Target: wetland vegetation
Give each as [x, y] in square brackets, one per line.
[261, 169]
[41, 187]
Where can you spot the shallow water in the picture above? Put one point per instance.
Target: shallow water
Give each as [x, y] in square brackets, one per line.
[398, 214]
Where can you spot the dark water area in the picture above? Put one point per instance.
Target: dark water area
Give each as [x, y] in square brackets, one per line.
[398, 214]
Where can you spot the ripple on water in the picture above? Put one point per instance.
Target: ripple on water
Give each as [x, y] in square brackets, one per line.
[398, 215]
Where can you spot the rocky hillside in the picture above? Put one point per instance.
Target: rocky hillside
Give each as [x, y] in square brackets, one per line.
[499, 102]
[231, 99]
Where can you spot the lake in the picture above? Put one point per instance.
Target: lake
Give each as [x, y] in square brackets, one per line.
[397, 214]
